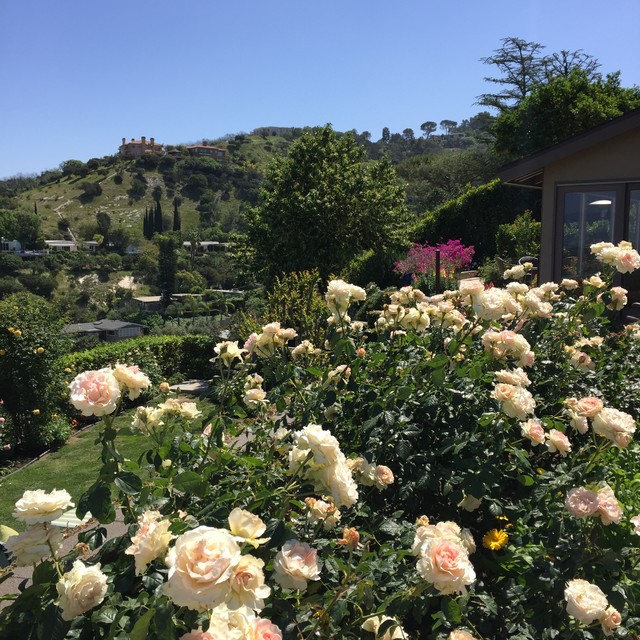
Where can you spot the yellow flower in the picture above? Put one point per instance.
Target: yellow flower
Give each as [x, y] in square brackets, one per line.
[40, 349]
[495, 539]
[2, 352]
[17, 333]
[36, 412]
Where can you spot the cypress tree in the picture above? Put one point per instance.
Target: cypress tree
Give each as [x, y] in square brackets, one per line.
[158, 218]
[176, 214]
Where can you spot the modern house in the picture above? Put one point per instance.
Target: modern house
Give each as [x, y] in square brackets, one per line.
[107, 330]
[218, 153]
[10, 246]
[61, 245]
[590, 193]
[137, 148]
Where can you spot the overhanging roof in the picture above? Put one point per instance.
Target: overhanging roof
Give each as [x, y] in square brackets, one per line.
[529, 171]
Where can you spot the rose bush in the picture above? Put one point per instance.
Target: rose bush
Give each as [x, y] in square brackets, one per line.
[470, 473]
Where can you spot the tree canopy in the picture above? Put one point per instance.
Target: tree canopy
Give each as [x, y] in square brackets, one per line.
[323, 204]
[561, 108]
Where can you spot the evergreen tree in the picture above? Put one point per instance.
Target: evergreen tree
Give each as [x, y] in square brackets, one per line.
[167, 262]
[176, 214]
[157, 227]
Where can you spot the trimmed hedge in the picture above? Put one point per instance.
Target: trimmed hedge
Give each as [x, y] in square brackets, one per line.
[475, 216]
[172, 358]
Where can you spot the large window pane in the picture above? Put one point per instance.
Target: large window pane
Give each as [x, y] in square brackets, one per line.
[631, 281]
[588, 218]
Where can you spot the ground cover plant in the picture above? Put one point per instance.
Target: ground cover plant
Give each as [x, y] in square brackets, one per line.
[463, 466]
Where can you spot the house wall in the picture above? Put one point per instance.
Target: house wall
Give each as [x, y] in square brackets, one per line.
[616, 160]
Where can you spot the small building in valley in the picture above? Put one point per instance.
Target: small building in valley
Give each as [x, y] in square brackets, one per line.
[107, 330]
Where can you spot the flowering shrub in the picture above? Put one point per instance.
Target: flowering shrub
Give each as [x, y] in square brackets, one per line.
[465, 468]
[421, 262]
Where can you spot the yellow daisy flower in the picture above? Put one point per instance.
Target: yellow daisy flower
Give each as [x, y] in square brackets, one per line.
[495, 539]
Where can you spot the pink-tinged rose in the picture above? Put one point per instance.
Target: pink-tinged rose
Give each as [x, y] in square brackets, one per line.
[201, 565]
[610, 621]
[585, 601]
[295, 564]
[383, 477]
[589, 406]
[557, 441]
[263, 629]
[581, 502]
[608, 506]
[198, 634]
[534, 431]
[446, 565]
[80, 589]
[151, 540]
[627, 261]
[635, 521]
[95, 393]
[578, 422]
[132, 378]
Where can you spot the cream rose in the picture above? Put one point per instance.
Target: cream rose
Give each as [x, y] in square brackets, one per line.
[201, 565]
[95, 393]
[585, 601]
[40, 506]
[471, 286]
[80, 590]
[32, 545]
[151, 540]
[533, 431]
[247, 584]
[581, 502]
[323, 512]
[228, 351]
[460, 634]
[255, 398]
[247, 527]
[395, 632]
[132, 378]
[615, 425]
[263, 629]
[589, 406]
[295, 564]
[383, 477]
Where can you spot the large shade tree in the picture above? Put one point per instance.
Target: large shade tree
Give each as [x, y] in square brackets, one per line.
[323, 204]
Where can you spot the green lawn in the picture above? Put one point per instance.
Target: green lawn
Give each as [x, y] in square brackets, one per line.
[74, 468]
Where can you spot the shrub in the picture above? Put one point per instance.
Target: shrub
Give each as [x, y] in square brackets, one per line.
[518, 238]
[31, 342]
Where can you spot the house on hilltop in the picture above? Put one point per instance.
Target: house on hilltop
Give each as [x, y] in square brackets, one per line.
[137, 148]
[217, 153]
[590, 187]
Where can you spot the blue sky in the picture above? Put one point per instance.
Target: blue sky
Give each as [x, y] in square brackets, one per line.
[77, 76]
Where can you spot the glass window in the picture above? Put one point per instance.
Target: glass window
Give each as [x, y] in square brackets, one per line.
[588, 218]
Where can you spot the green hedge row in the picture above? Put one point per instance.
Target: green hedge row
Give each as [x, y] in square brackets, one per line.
[172, 358]
[475, 216]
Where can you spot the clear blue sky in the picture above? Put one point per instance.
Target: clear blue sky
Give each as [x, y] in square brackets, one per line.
[76, 75]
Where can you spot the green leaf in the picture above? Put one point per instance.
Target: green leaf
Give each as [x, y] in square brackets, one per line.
[97, 500]
[527, 481]
[128, 483]
[190, 482]
[403, 449]
[390, 527]
[439, 361]
[141, 627]
[437, 377]
[452, 610]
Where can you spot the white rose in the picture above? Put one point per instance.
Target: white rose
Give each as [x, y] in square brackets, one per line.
[80, 589]
[151, 540]
[40, 506]
[189, 410]
[615, 425]
[585, 601]
[200, 567]
[34, 544]
[295, 564]
[247, 527]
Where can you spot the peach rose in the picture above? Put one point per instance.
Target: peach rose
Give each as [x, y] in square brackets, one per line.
[383, 477]
[557, 441]
[95, 393]
[295, 564]
[201, 565]
[610, 620]
[581, 502]
[534, 431]
[589, 406]
[460, 634]
[635, 521]
[350, 538]
[446, 565]
[80, 589]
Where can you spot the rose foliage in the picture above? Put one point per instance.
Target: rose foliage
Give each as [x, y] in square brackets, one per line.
[463, 466]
